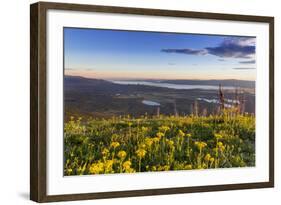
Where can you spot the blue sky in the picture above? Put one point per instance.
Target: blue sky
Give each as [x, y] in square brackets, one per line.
[112, 54]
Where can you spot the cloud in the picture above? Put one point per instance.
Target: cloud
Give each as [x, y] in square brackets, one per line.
[248, 62]
[241, 41]
[187, 51]
[231, 47]
[234, 48]
[244, 68]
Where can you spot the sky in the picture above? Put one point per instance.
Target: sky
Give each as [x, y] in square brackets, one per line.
[115, 54]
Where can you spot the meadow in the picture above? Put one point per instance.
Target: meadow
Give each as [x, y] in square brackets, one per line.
[126, 144]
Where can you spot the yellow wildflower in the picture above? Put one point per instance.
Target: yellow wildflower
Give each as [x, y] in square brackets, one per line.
[140, 153]
[199, 167]
[181, 133]
[115, 144]
[69, 171]
[207, 157]
[148, 142]
[164, 128]
[166, 167]
[155, 139]
[108, 166]
[200, 145]
[170, 142]
[143, 146]
[130, 170]
[122, 154]
[144, 129]
[218, 136]
[188, 135]
[127, 165]
[105, 151]
[188, 167]
[220, 144]
[160, 134]
[96, 168]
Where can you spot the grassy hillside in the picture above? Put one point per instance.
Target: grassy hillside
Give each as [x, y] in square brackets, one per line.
[126, 144]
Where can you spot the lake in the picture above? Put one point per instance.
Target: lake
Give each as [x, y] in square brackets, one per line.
[227, 102]
[170, 85]
[151, 103]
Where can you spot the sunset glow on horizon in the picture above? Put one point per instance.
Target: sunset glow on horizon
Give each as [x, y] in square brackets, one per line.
[151, 75]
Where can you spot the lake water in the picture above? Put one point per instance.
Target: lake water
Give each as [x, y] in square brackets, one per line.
[228, 102]
[170, 85]
[151, 103]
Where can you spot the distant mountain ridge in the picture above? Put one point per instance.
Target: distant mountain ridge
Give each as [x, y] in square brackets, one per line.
[230, 82]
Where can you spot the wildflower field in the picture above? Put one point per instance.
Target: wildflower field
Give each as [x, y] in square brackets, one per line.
[128, 145]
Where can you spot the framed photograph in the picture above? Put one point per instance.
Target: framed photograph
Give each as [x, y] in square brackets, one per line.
[135, 102]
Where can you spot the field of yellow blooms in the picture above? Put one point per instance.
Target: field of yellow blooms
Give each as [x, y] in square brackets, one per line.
[128, 145]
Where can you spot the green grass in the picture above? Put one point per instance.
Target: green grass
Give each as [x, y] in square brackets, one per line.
[127, 145]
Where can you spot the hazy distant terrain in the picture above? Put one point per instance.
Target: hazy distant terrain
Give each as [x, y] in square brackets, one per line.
[231, 82]
[103, 99]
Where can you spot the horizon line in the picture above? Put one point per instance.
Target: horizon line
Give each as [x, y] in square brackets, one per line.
[156, 74]
[89, 77]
